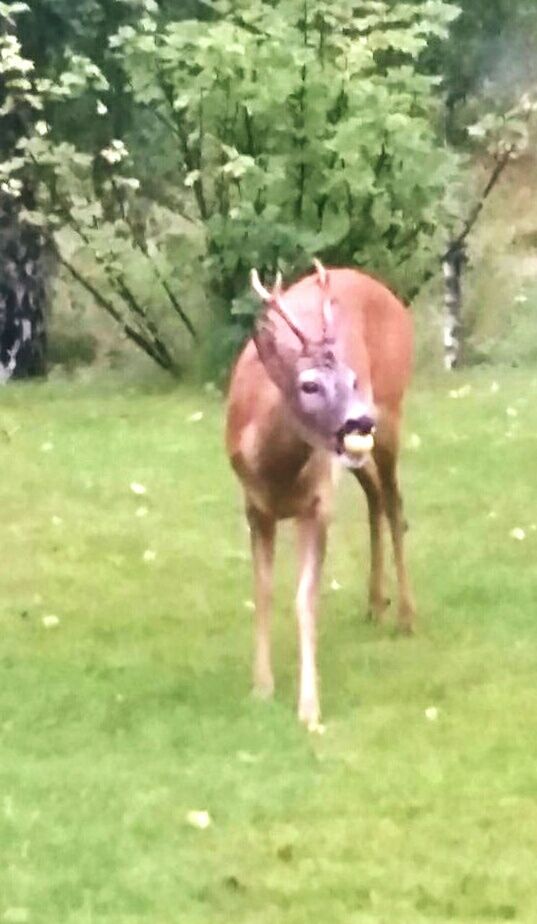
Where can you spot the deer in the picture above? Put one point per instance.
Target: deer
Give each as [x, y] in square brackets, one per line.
[318, 387]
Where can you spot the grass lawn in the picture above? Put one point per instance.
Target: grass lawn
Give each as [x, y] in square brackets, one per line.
[134, 708]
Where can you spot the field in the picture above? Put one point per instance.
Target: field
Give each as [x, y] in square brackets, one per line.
[125, 655]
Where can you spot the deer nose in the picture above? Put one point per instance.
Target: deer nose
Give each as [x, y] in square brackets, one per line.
[364, 424]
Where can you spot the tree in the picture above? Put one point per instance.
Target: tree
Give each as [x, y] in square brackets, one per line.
[299, 127]
[260, 135]
[23, 247]
[488, 61]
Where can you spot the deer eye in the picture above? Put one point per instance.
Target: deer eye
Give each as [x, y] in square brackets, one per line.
[310, 388]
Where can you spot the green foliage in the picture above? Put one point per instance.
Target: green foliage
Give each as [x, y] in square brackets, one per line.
[507, 132]
[268, 133]
[301, 129]
[488, 62]
[79, 188]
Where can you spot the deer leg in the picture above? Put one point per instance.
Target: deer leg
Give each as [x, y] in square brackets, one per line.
[387, 467]
[311, 549]
[262, 533]
[368, 477]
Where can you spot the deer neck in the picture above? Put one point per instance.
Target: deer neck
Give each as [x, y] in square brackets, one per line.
[284, 448]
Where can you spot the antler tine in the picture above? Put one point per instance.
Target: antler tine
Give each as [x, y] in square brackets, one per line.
[258, 287]
[328, 319]
[273, 301]
[276, 305]
[277, 290]
[321, 272]
[328, 314]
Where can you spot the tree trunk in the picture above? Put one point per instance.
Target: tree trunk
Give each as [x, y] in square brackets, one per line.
[23, 296]
[452, 265]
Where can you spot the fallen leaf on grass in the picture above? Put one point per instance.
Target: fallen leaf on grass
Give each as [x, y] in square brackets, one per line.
[518, 533]
[50, 622]
[198, 819]
[16, 915]
[237, 555]
[461, 392]
[196, 417]
[431, 713]
[246, 758]
[137, 488]
[316, 728]
[149, 555]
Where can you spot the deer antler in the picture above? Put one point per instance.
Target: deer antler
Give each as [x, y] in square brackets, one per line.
[321, 272]
[323, 278]
[273, 300]
[258, 287]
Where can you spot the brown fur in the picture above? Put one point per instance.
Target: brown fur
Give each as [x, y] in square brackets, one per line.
[282, 476]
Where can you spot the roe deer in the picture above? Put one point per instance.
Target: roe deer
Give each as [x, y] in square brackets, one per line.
[322, 379]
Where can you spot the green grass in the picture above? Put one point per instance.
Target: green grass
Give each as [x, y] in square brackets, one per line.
[135, 708]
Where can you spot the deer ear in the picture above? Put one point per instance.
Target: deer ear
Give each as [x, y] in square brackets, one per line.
[279, 361]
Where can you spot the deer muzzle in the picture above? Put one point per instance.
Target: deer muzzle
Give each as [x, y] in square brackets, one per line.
[356, 437]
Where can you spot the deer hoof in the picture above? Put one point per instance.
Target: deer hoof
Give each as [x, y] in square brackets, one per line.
[316, 728]
[309, 714]
[376, 610]
[406, 625]
[263, 690]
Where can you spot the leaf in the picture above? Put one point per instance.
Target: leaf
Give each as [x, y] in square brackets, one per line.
[192, 177]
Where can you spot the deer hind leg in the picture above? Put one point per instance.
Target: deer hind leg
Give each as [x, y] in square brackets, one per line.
[386, 459]
[369, 479]
[311, 550]
[262, 534]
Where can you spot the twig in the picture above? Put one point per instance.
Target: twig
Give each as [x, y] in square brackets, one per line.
[499, 167]
[142, 247]
[163, 359]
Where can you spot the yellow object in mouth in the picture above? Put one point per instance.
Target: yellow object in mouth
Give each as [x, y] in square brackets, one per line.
[357, 443]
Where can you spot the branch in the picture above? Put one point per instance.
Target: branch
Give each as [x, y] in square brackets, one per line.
[162, 358]
[302, 123]
[157, 350]
[197, 186]
[301, 144]
[499, 167]
[142, 247]
[249, 131]
[117, 280]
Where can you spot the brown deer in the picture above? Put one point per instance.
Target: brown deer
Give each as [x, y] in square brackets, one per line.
[321, 380]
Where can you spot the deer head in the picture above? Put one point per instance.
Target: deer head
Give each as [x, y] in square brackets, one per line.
[319, 388]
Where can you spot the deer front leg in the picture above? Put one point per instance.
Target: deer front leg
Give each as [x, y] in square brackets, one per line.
[262, 532]
[311, 549]
[369, 480]
[387, 466]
